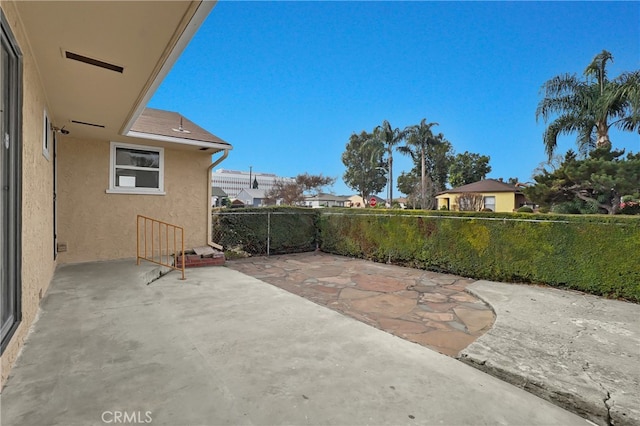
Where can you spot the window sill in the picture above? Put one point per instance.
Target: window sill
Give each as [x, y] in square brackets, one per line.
[134, 192]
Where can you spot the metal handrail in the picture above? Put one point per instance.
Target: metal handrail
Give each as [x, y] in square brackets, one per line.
[158, 255]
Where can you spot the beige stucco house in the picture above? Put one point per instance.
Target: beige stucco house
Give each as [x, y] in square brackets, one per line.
[496, 195]
[252, 197]
[357, 201]
[325, 200]
[80, 155]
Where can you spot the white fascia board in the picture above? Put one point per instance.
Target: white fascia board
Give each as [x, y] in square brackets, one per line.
[204, 8]
[180, 141]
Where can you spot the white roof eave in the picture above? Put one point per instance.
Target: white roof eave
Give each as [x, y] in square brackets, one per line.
[180, 141]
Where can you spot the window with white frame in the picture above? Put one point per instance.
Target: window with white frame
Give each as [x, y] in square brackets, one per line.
[136, 169]
[490, 203]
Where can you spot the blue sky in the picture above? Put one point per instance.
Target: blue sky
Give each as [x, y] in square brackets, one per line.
[287, 83]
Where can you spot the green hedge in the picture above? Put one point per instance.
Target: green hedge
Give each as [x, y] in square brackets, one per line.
[597, 254]
[254, 230]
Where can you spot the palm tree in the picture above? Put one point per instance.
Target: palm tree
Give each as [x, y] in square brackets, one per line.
[591, 106]
[390, 138]
[418, 139]
[629, 90]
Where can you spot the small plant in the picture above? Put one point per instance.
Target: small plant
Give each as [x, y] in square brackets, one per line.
[525, 209]
[236, 253]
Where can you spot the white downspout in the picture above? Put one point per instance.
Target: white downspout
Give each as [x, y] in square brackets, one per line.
[209, 183]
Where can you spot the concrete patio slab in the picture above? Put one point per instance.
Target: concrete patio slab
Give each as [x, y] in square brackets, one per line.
[225, 348]
[577, 350]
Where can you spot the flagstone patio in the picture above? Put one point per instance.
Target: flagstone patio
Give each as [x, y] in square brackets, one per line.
[423, 307]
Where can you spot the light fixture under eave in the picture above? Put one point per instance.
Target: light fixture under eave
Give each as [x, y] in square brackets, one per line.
[59, 130]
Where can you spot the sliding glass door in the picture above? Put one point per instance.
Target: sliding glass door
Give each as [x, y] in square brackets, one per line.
[10, 184]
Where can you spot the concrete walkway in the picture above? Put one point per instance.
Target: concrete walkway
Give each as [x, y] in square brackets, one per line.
[226, 348]
[579, 351]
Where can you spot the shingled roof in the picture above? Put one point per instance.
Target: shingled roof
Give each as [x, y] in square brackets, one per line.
[216, 191]
[326, 197]
[156, 123]
[487, 185]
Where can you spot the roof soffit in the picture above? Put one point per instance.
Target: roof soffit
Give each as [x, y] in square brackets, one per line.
[143, 37]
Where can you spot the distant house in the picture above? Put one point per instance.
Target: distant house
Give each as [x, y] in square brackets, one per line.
[217, 195]
[358, 202]
[252, 197]
[403, 202]
[325, 200]
[496, 195]
[236, 204]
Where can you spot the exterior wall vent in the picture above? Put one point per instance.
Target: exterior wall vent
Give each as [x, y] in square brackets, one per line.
[94, 62]
[88, 124]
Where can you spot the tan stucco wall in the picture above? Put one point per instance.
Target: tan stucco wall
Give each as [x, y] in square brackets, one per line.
[441, 200]
[37, 198]
[505, 201]
[100, 226]
[355, 201]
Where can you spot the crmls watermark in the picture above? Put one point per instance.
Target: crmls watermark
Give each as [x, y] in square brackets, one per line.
[126, 417]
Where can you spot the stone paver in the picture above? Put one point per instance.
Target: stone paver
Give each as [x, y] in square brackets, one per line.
[424, 307]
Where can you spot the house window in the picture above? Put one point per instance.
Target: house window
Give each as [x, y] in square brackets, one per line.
[490, 203]
[136, 169]
[10, 184]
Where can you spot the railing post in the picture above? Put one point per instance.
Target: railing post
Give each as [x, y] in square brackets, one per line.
[138, 240]
[153, 250]
[145, 237]
[184, 260]
[141, 238]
